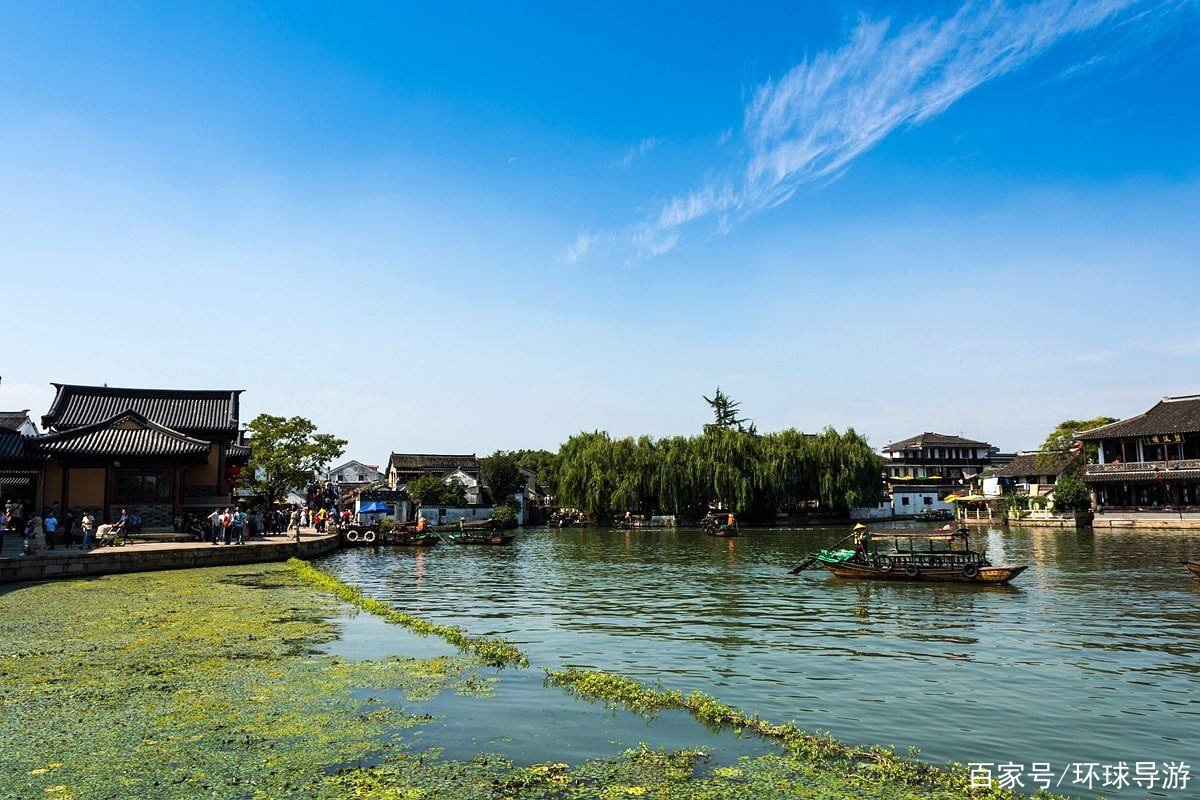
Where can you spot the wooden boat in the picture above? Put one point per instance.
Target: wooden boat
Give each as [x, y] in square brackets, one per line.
[568, 519]
[482, 537]
[405, 539]
[719, 525]
[369, 536]
[1193, 567]
[940, 562]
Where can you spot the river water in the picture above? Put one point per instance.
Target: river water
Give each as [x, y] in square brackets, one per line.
[1092, 655]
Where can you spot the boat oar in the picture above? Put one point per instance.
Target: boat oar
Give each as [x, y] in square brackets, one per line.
[813, 559]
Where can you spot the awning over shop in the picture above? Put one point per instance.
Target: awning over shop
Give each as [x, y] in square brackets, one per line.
[375, 508]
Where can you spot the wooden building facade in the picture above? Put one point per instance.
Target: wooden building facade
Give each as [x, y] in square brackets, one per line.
[158, 452]
[1147, 468]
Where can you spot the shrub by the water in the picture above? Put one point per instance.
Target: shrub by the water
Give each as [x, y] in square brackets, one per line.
[505, 517]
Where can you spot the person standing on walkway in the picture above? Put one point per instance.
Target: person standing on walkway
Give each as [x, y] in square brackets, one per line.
[239, 525]
[88, 525]
[16, 521]
[68, 529]
[214, 525]
[50, 526]
[226, 524]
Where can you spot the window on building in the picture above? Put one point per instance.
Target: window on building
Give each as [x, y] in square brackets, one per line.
[928, 500]
[903, 501]
[132, 487]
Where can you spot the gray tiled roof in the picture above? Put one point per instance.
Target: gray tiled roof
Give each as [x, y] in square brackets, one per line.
[12, 446]
[13, 420]
[125, 434]
[187, 410]
[929, 439]
[1169, 415]
[1035, 464]
[237, 451]
[17, 477]
[432, 462]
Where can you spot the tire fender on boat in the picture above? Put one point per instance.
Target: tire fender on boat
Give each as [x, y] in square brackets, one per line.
[368, 537]
[970, 570]
[911, 570]
[886, 566]
[352, 535]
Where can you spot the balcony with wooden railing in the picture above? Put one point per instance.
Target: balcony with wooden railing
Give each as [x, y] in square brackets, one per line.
[1185, 469]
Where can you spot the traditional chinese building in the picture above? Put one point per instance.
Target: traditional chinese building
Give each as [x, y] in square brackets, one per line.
[404, 467]
[1031, 472]
[19, 468]
[1147, 468]
[158, 452]
[921, 471]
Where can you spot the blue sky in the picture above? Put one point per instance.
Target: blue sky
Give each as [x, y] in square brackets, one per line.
[467, 226]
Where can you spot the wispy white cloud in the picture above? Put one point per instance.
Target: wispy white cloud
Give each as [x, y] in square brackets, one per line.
[810, 124]
[637, 151]
[582, 245]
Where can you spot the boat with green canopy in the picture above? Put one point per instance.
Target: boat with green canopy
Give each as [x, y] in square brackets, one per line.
[943, 556]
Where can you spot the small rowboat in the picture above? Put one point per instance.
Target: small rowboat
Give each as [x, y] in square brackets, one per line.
[1193, 567]
[723, 531]
[967, 573]
[495, 538]
[940, 562]
[723, 525]
[413, 539]
[356, 536]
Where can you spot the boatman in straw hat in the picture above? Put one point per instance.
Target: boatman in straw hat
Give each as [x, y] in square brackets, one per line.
[863, 537]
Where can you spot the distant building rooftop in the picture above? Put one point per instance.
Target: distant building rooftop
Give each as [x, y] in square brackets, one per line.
[1169, 415]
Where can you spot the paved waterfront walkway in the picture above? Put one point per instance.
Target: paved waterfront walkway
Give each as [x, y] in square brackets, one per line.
[11, 545]
[64, 562]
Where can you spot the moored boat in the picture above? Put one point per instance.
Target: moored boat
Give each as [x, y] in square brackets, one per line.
[405, 539]
[369, 536]
[940, 562]
[482, 537]
[1193, 567]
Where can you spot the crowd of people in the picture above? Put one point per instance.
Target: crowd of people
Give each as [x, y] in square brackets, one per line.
[54, 529]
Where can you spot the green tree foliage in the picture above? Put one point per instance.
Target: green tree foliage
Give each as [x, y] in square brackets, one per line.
[1062, 439]
[1070, 494]
[426, 490]
[453, 494]
[543, 464]
[502, 474]
[505, 517]
[430, 490]
[752, 474]
[725, 413]
[285, 452]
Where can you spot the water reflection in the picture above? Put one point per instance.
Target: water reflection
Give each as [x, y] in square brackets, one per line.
[1093, 654]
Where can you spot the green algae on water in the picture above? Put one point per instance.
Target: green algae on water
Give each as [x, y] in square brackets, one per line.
[209, 683]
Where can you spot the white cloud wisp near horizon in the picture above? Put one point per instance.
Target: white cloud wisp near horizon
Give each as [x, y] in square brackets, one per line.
[811, 123]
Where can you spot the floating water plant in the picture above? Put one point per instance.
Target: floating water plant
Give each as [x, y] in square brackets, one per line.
[494, 652]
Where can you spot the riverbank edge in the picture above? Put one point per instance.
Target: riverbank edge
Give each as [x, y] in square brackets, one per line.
[152, 558]
[621, 691]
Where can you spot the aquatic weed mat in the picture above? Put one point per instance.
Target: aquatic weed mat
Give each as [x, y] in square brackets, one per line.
[209, 683]
[190, 683]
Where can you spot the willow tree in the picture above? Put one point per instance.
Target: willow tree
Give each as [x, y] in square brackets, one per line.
[751, 474]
